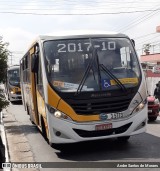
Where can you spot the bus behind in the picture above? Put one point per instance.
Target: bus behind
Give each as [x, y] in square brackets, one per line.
[12, 84]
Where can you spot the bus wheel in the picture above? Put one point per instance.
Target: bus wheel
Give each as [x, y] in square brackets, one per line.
[61, 147]
[27, 110]
[8, 98]
[43, 129]
[151, 119]
[123, 139]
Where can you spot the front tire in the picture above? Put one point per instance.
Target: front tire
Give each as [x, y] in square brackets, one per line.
[151, 119]
[8, 97]
[61, 147]
[44, 133]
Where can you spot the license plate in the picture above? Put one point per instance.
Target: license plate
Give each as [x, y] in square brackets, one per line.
[149, 111]
[115, 115]
[103, 126]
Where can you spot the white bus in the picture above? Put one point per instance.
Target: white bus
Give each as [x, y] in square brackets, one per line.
[84, 86]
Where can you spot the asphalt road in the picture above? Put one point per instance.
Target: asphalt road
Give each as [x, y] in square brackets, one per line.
[143, 147]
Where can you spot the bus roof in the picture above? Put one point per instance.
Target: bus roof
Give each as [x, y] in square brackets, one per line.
[79, 34]
[13, 67]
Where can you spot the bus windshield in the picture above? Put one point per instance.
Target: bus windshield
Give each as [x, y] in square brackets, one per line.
[13, 77]
[96, 64]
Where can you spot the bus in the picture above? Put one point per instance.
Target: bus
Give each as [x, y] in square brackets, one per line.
[82, 86]
[12, 84]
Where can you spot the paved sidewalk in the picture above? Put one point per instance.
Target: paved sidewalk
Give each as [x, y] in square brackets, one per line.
[2, 146]
[18, 145]
[17, 148]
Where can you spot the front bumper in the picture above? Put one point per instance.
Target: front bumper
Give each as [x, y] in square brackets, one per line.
[69, 132]
[15, 97]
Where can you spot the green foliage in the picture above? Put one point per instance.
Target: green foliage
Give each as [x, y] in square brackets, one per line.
[4, 53]
[3, 102]
[3, 69]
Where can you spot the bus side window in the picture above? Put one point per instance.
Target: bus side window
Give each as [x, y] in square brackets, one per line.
[28, 68]
[24, 70]
[39, 78]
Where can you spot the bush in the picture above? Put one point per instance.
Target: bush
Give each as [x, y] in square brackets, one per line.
[3, 102]
[4, 53]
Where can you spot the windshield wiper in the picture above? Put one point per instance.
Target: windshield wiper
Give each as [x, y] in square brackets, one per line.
[98, 69]
[84, 77]
[107, 71]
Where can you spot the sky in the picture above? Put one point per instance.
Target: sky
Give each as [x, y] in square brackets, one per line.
[21, 21]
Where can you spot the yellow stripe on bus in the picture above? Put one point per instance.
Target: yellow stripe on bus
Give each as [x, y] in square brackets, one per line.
[16, 89]
[55, 101]
[41, 105]
[53, 98]
[65, 108]
[125, 81]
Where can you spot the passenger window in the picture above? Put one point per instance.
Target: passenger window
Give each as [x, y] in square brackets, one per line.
[39, 78]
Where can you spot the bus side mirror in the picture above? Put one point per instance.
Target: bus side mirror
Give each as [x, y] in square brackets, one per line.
[133, 42]
[35, 61]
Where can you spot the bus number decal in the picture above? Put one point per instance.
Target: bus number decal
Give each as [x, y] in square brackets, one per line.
[89, 45]
[111, 46]
[62, 47]
[71, 47]
[80, 47]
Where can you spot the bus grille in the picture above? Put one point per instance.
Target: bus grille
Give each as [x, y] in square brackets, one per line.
[97, 106]
[18, 93]
[113, 131]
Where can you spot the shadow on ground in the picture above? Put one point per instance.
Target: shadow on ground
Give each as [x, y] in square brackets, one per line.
[19, 129]
[154, 122]
[2, 152]
[17, 103]
[143, 146]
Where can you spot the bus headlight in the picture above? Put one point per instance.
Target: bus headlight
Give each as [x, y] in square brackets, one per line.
[57, 113]
[12, 92]
[61, 115]
[140, 106]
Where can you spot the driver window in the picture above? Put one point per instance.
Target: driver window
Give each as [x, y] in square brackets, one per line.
[39, 76]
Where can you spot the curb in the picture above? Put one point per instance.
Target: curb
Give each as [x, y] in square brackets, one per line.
[4, 140]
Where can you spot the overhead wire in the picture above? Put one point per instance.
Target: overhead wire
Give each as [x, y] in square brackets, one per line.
[140, 37]
[87, 5]
[138, 21]
[100, 13]
[148, 41]
[72, 3]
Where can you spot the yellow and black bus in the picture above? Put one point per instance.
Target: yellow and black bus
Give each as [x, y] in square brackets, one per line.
[12, 85]
[82, 86]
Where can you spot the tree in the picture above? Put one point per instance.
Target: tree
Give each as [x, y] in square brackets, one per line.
[3, 68]
[4, 53]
